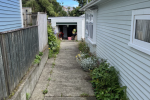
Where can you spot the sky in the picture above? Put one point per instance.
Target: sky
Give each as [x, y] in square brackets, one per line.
[70, 3]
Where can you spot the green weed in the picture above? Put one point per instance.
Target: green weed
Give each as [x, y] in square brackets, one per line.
[45, 91]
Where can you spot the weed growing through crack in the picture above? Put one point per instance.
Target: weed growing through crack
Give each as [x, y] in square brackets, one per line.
[53, 63]
[49, 79]
[52, 66]
[84, 95]
[61, 95]
[45, 91]
[51, 72]
[27, 96]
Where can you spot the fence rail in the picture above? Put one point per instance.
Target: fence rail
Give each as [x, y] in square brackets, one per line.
[17, 51]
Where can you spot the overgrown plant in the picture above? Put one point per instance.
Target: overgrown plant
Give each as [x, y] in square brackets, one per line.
[54, 44]
[106, 84]
[51, 38]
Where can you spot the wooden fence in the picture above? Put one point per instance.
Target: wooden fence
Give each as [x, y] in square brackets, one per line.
[29, 19]
[17, 51]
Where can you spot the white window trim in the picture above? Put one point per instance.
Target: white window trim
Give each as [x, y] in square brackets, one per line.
[135, 43]
[94, 13]
[20, 1]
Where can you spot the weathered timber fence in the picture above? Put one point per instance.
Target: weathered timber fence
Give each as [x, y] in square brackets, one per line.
[17, 51]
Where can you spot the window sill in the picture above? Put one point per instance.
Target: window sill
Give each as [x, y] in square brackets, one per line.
[147, 51]
[93, 43]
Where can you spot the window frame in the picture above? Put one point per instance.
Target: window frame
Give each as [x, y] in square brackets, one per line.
[92, 15]
[140, 45]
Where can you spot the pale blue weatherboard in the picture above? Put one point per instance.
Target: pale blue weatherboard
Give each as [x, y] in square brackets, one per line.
[10, 15]
[112, 38]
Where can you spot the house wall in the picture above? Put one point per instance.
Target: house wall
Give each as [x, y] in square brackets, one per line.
[113, 36]
[10, 15]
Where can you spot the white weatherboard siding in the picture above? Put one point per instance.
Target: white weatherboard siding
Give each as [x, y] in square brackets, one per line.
[113, 36]
[10, 15]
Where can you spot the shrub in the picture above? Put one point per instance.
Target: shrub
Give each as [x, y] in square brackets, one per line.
[105, 83]
[87, 61]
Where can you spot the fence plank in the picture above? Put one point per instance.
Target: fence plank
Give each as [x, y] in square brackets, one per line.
[19, 49]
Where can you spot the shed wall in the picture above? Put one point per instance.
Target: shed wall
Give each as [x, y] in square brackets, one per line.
[10, 15]
[80, 29]
[113, 36]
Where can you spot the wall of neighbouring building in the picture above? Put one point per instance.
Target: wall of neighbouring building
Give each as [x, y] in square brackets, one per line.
[10, 15]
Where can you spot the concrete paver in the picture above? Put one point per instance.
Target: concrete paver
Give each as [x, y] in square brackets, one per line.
[68, 80]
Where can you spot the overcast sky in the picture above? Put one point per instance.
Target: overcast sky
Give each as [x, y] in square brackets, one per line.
[71, 3]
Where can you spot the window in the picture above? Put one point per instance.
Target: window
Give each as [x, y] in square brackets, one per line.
[140, 30]
[90, 21]
[89, 25]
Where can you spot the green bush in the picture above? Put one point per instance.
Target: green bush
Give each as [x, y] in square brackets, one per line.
[106, 84]
[87, 61]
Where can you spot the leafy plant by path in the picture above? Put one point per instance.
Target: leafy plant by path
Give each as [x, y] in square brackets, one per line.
[53, 42]
[37, 59]
[106, 84]
[105, 78]
[40, 53]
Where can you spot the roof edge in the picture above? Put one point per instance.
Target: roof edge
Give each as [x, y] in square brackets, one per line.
[93, 2]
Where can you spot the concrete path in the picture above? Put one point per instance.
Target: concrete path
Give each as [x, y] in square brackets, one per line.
[68, 80]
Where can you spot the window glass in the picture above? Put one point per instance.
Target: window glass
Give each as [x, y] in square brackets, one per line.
[86, 16]
[142, 30]
[91, 30]
[91, 18]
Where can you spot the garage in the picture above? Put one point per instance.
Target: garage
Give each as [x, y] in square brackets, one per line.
[67, 24]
